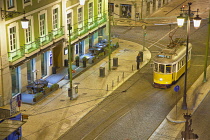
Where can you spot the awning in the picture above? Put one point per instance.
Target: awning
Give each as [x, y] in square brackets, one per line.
[7, 127]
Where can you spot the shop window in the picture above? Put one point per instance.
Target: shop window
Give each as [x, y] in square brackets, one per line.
[125, 10]
[44, 64]
[30, 71]
[15, 75]
[111, 7]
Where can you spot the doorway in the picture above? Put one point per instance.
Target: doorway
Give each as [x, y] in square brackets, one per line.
[57, 57]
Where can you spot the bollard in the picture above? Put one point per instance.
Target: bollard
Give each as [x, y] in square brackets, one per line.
[118, 79]
[101, 71]
[107, 87]
[115, 62]
[112, 83]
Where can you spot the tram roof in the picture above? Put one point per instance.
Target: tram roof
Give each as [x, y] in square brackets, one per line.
[172, 54]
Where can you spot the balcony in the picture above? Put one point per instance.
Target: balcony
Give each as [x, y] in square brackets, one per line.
[38, 44]
[42, 41]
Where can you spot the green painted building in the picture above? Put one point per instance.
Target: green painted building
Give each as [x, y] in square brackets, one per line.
[33, 53]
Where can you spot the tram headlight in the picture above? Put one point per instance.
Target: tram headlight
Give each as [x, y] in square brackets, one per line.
[161, 79]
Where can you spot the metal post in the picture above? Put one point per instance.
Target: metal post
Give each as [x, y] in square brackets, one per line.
[144, 36]
[110, 40]
[70, 63]
[207, 51]
[184, 104]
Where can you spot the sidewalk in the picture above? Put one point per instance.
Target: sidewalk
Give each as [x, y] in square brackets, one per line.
[54, 115]
[173, 124]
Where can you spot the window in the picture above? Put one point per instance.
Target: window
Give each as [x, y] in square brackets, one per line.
[26, 1]
[15, 75]
[168, 68]
[111, 7]
[43, 25]
[80, 18]
[90, 11]
[10, 4]
[76, 49]
[28, 33]
[44, 64]
[69, 19]
[99, 7]
[161, 68]
[12, 38]
[156, 67]
[30, 71]
[55, 18]
[80, 15]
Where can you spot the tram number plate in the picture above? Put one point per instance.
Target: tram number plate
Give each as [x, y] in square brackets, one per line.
[176, 88]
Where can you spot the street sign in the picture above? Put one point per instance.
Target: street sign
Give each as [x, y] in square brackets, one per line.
[176, 88]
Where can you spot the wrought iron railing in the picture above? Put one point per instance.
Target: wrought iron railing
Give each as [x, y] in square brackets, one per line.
[55, 34]
[37, 44]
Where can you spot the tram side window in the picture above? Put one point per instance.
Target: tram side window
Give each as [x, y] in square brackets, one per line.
[161, 68]
[174, 68]
[168, 68]
[156, 67]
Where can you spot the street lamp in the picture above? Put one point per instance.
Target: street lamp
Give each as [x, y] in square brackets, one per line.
[82, 2]
[110, 51]
[10, 14]
[180, 21]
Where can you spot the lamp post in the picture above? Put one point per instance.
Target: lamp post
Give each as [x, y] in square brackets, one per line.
[207, 51]
[109, 40]
[180, 22]
[70, 63]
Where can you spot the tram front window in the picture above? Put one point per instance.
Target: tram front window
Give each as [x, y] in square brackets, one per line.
[161, 68]
[156, 67]
[168, 68]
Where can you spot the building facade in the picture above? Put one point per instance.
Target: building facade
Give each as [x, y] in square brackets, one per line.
[33, 53]
[135, 9]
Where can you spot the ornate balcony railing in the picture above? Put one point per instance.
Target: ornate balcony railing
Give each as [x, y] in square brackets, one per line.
[55, 34]
[37, 44]
[17, 54]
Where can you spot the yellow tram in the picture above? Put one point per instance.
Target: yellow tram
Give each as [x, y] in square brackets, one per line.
[169, 64]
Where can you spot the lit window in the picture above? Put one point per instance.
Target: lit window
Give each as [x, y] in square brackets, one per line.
[28, 33]
[26, 1]
[80, 18]
[10, 4]
[42, 25]
[69, 18]
[55, 18]
[90, 14]
[99, 7]
[12, 38]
